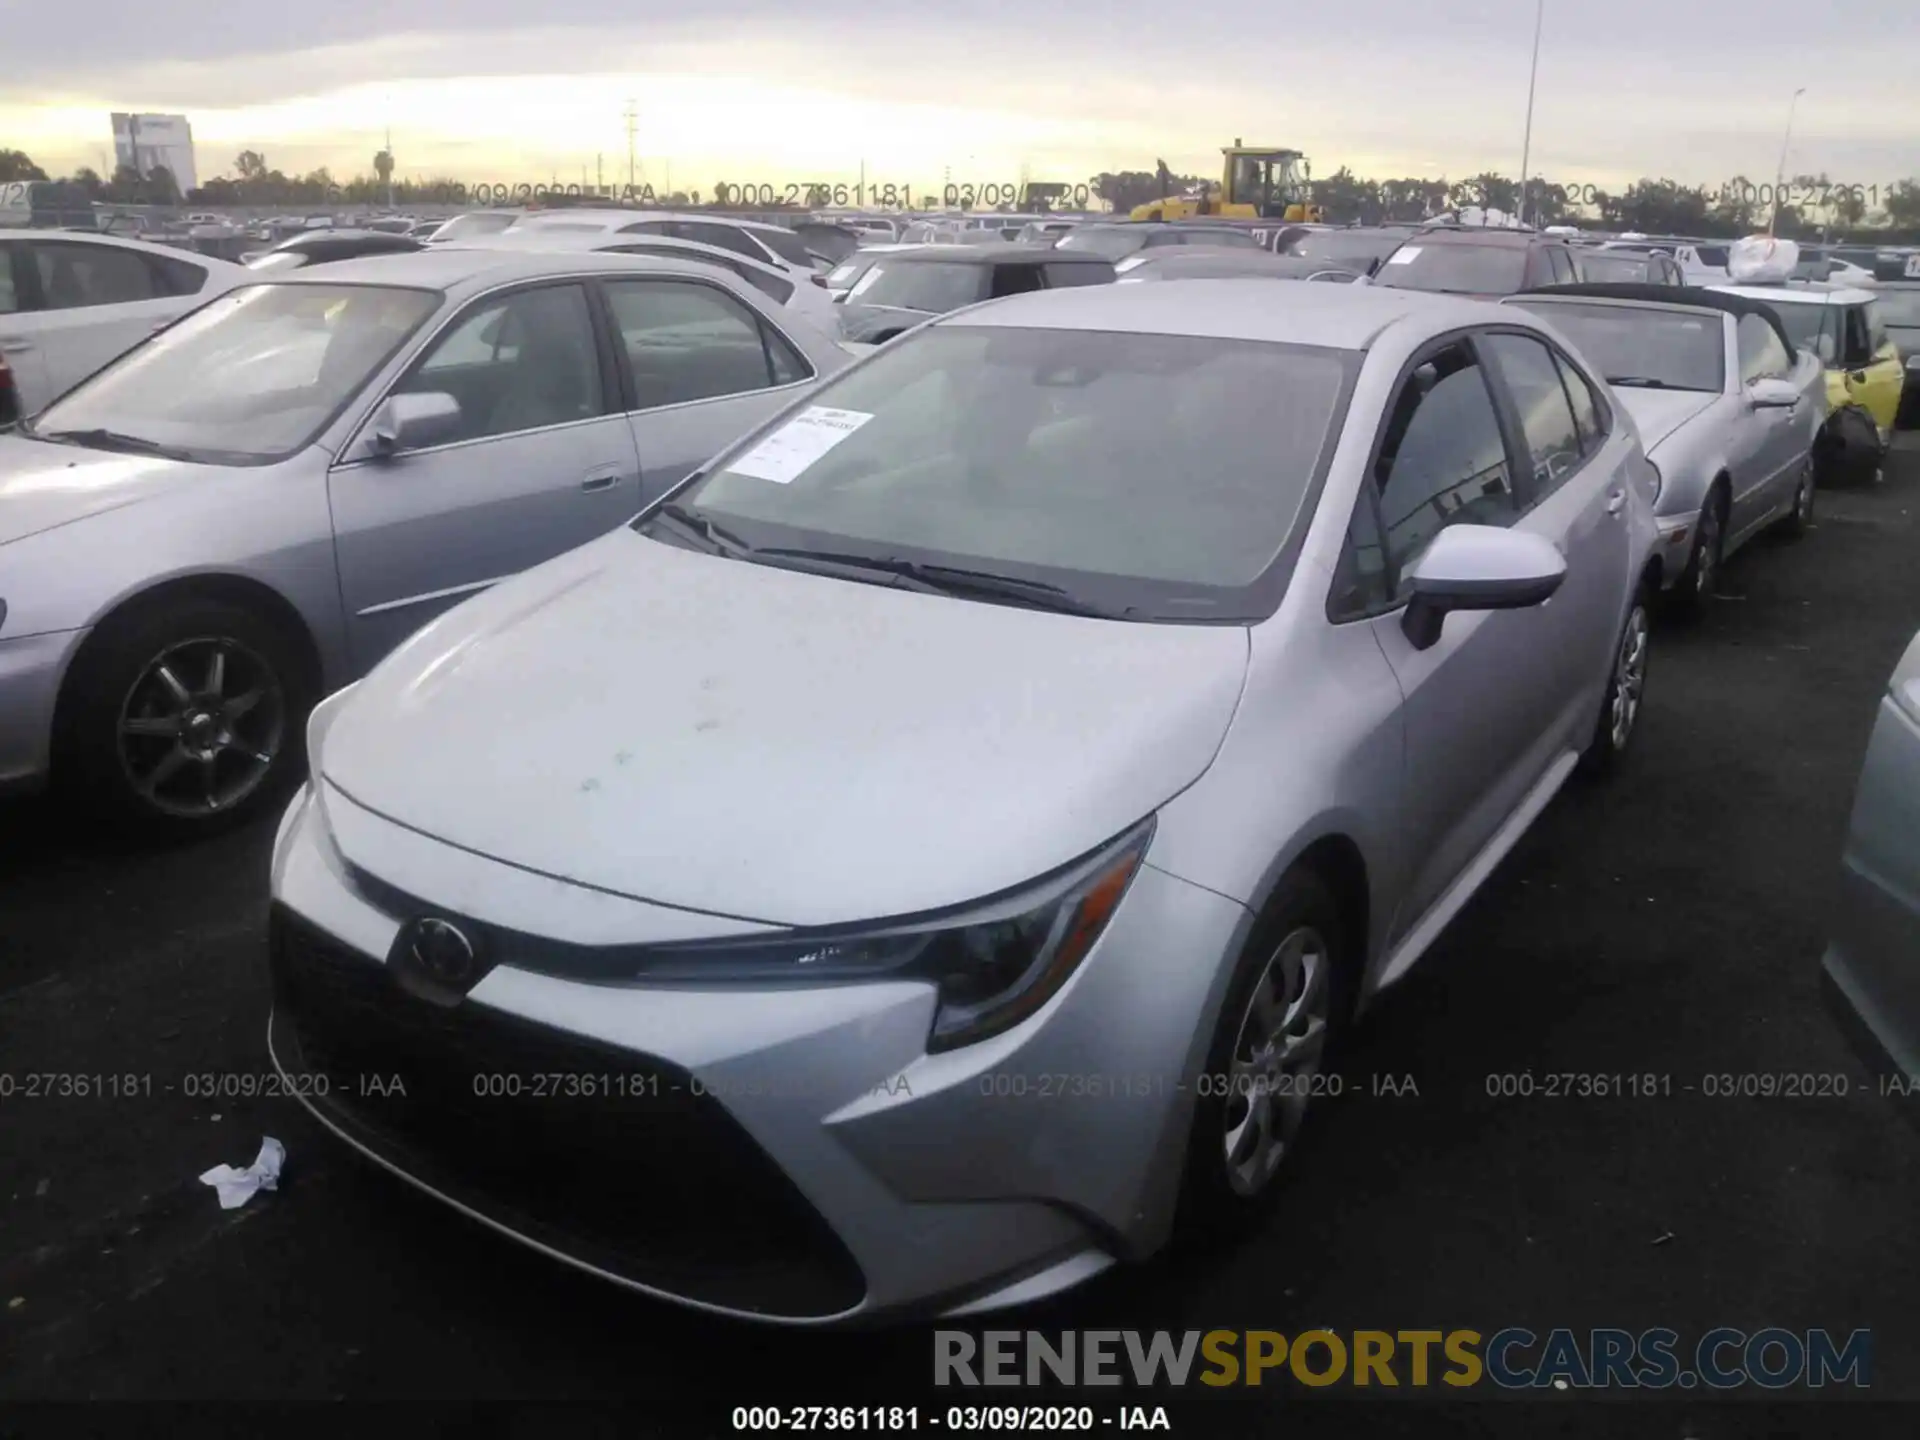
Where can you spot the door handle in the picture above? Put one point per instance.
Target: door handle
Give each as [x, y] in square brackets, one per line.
[15, 344]
[1616, 502]
[601, 480]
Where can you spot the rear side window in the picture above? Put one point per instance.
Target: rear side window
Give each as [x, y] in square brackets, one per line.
[687, 341]
[1876, 329]
[1060, 276]
[1562, 263]
[725, 236]
[1714, 255]
[1546, 414]
[771, 286]
[1014, 280]
[10, 297]
[75, 276]
[1854, 342]
[178, 277]
[1587, 414]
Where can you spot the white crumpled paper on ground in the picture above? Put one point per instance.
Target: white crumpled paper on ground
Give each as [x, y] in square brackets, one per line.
[236, 1187]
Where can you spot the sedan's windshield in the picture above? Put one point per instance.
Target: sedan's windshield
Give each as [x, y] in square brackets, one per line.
[1343, 248]
[1455, 269]
[1154, 474]
[934, 286]
[251, 376]
[1615, 267]
[1656, 349]
[1111, 241]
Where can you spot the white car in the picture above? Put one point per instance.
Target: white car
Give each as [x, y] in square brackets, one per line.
[69, 303]
[804, 295]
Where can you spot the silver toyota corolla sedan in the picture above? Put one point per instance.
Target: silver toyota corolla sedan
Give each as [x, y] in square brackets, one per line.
[1871, 969]
[254, 506]
[1727, 408]
[936, 846]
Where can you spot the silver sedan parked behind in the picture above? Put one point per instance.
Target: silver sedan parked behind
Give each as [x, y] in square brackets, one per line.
[1871, 968]
[257, 504]
[1726, 406]
[940, 843]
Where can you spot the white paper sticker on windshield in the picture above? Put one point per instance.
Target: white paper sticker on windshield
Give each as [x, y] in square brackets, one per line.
[798, 443]
[1913, 267]
[1404, 255]
[865, 282]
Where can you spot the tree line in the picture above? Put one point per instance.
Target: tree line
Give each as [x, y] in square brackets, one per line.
[1813, 205]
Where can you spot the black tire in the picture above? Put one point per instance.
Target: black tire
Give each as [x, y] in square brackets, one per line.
[1697, 583]
[1799, 518]
[120, 721]
[1610, 741]
[1211, 1203]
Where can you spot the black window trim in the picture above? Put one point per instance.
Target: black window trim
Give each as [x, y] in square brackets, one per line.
[629, 396]
[346, 458]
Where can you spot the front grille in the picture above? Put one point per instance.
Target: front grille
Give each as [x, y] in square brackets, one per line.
[642, 1178]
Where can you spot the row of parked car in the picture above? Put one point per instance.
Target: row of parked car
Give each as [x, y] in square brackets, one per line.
[811, 752]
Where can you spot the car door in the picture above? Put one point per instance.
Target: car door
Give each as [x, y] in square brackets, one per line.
[540, 460]
[1766, 445]
[701, 367]
[1885, 372]
[1575, 492]
[1484, 702]
[95, 302]
[23, 369]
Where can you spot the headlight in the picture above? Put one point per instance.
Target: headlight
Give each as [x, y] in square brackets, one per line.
[995, 963]
[1659, 480]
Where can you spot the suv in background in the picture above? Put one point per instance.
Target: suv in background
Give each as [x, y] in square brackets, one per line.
[1486, 264]
[1360, 247]
[902, 290]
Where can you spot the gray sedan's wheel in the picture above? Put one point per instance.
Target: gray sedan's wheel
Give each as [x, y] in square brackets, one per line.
[1799, 519]
[1697, 582]
[1267, 1061]
[184, 720]
[1619, 717]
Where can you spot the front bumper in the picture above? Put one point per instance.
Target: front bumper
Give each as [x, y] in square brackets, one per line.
[790, 1155]
[31, 667]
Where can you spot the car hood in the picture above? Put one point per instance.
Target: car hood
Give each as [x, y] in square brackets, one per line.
[1658, 413]
[727, 737]
[43, 485]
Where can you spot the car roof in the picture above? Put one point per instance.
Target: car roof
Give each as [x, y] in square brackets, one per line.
[448, 268]
[1805, 293]
[1339, 317]
[1002, 251]
[1673, 297]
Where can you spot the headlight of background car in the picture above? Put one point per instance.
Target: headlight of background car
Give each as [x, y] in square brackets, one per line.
[994, 964]
[1659, 480]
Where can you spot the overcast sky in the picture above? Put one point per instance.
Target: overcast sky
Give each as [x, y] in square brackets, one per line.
[754, 90]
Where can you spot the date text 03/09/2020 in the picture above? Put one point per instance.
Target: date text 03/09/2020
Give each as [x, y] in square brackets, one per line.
[963, 1419]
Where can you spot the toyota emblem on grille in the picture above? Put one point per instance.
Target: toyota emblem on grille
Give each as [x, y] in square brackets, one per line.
[443, 952]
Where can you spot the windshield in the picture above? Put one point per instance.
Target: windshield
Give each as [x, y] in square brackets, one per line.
[844, 274]
[1457, 269]
[279, 260]
[935, 286]
[1615, 267]
[1806, 326]
[1110, 241]
[1631, 345]
[1900, 309]
[252, 376]
[1343, 249]
[484, 223]
[1155, 473]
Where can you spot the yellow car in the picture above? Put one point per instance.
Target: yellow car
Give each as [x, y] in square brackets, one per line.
[1844, 327]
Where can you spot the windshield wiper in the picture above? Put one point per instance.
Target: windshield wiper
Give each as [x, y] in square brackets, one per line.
[1644, 382]
[112, 440]
[956, 580]
[719, 537]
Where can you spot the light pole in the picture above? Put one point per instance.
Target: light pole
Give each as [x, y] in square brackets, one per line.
[1780, 174]
[1533, 75]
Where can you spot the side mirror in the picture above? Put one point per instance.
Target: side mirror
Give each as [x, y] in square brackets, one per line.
[1478, 567]
[1770, 394]
[412, 422]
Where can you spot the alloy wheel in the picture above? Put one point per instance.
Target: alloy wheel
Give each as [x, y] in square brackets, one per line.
[1803, 497]
[201, 727]
[1629, 678]
[1706, 563]
[1276, 1055]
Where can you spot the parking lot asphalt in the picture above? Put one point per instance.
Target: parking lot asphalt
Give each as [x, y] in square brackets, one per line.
[1667, 923]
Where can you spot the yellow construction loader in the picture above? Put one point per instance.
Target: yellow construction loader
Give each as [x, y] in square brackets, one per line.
[1257, 183]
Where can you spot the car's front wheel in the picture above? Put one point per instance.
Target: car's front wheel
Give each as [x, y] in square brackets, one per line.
[1799, 519]
[1284, 1009]
[185, 719]
[1699, 580]
[1619, 718]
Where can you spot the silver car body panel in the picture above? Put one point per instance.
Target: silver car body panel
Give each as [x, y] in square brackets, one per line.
[775, 747]
[364, 551]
